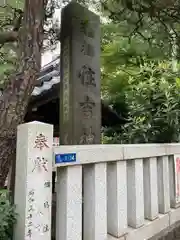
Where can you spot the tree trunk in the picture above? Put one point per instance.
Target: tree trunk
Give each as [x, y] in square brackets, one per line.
[15, 97]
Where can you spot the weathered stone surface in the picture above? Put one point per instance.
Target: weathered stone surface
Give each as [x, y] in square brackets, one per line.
[80, 113]
[172, 233]
[169, 236]
[176, 233]
[33, 183]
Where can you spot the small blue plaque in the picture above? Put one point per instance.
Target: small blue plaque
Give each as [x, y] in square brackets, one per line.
[65, 158]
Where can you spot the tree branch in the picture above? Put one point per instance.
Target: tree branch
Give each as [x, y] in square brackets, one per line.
[10, 36]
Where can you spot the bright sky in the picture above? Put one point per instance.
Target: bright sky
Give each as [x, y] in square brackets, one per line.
[50, 55]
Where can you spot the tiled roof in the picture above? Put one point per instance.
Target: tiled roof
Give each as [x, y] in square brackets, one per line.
[48, 77]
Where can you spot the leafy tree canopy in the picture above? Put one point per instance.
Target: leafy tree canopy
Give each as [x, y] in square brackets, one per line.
[139, 82]
[11, 14]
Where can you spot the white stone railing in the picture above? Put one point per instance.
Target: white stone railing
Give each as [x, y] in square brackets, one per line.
[103, 191]
[124, 186]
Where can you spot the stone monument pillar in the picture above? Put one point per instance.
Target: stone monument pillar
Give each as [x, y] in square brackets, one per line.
[33, 181]
[80, 101]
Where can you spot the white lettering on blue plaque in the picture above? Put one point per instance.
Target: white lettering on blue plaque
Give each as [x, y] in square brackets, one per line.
[65, 158]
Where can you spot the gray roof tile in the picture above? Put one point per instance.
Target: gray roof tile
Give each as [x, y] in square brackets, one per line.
[48, 77]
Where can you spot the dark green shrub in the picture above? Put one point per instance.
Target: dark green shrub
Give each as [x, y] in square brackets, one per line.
[153, 102]
[7, 216]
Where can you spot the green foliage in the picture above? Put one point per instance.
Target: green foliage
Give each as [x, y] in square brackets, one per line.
[139, 83]
[7, 216]
[153, 101]
[9, 13]
[158, 15]
[8, 62]
[120, 59]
